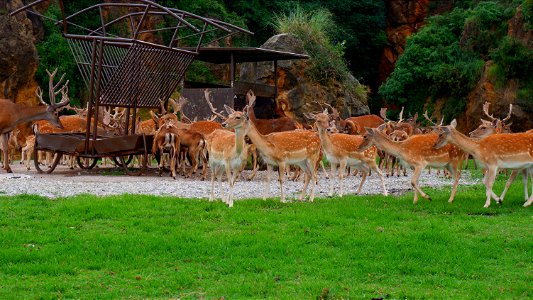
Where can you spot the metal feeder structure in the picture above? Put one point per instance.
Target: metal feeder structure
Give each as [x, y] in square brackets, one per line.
[122, 68]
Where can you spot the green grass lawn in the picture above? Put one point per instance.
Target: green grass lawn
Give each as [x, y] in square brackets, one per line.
[352, 247]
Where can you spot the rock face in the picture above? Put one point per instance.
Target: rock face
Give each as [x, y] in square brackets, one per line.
[501, 96]
[18, 56]
[405, 17]
[295, 88]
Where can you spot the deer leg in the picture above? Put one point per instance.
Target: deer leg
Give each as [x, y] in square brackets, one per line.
[374, 166]
[484, 180]
[363, 179]
[456, 173]
[253, 151]
[281, 175]
[342, 168]
[266, 192]
[204, 164]
[510, 181]
[194, 162]
[308, 168]
[333, 166]
[213, 175]
[4, 139]
[414, 184]
[490, 177]
[324, 170]
[229, 200]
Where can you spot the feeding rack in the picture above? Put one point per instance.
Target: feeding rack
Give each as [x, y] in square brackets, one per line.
[126, 63]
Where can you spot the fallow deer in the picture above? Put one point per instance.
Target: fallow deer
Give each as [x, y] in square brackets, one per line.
[228, 151]
[166, 139]
[506, 150]
[497, 125]
[417, 152]
[13, 114]
[266, 126]
[341, 150]
[296, 147]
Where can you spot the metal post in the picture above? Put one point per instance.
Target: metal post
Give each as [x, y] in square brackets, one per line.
[91, 96]
[232, 70]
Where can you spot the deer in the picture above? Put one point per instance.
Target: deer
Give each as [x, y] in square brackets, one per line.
[13, 114]
[500, 126]
[417, 152]
[266, 126]
[341, 149]
[207, 127]
[27, 151]
[228, 151]
[167, 139]
[296, 147]
[362, 122]
[500, 150]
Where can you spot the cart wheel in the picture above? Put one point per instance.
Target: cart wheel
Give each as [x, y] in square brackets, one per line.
[86, 166]
[57, 158]
[122, 163]
[126, 159]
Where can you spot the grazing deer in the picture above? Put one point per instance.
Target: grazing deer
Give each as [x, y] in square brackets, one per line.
[13, 114]
[506, 150]
[341, 149]
[193, 145]
[228, 151]
[417, 152]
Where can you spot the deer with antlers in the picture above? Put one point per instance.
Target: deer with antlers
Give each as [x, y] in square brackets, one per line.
[266, 126]
[13, 114]
[417, 152]
[341, 150]
[506, 150]
[496, 125]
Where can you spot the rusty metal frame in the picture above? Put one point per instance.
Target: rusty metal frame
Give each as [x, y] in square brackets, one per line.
[123, 70]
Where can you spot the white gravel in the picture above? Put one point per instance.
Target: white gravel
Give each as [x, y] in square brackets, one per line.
[105, 181]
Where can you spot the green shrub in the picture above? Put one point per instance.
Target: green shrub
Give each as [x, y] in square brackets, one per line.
[515, 59]
[315, 29]
[527, 12]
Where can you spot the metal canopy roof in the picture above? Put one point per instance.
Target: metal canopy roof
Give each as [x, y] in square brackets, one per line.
[246, 54]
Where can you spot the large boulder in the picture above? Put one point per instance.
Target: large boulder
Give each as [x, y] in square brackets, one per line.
[295, 88]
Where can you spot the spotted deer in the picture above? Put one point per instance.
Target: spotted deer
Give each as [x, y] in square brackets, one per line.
[417, 152]
[505, 150]
[228, 152]
[342, 150]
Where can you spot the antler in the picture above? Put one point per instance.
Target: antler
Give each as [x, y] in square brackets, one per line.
[431, 121]
[510, 112]
[486, 106]
[178, 105]
[207, 94]
[383, 113]
[400, 117]
[53, 91]
[334, 112]
[250, 98]
[163, 110]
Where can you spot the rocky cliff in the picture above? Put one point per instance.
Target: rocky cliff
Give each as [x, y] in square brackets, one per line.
[295, 87]
[18, 56]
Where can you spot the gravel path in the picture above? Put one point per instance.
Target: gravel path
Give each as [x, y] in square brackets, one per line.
[105, 181]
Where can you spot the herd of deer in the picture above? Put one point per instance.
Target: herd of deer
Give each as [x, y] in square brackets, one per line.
[355, 143]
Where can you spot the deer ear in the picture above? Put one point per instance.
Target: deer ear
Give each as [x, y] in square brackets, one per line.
[310, 116]
[369, 131]
[453, 123]
[325, 111]
[445, 129]
[229, 110]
